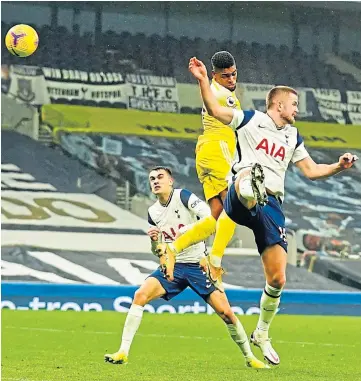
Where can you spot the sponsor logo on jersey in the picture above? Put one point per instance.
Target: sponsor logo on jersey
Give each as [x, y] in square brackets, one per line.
[173, 232]
[272, 149]
[195, 203]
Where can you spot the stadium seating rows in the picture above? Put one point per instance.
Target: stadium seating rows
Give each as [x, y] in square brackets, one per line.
[169, 56]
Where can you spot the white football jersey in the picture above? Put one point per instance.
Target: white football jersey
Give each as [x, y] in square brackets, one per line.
[260, 141]
[182, 209]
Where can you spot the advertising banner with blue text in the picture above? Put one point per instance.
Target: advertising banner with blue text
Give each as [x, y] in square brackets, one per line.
[24, 296]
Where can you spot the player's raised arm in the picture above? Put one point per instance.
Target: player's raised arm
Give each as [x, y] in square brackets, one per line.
[194, 204]
[321, 171]
[199, 71]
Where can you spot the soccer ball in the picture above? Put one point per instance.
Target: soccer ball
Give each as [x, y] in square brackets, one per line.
[21, 40]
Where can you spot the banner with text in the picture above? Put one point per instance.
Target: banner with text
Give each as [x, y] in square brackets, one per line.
[343, 107]
[25, 296]
[152, 93]
[38, 86]
[43, 85]
[27, 84]
[329, 105]
[81, 87]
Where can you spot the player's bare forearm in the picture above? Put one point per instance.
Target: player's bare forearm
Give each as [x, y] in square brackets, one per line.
[223, 114]
[322, 171]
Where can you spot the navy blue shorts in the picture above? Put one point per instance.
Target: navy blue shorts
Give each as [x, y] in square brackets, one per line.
[185, 274]
[267, 222]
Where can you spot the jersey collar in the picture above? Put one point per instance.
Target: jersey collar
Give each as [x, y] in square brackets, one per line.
[277, 128]
[168, 201]
[218, 86]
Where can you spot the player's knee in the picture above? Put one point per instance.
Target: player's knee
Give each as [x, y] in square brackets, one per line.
[278, 281]
[216, 212]
[141, 298]
[216, 206]
[226, 314]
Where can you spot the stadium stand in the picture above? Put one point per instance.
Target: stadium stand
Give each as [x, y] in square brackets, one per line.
[346, 272]
[138, 154]
[48, 165]
[169, 56]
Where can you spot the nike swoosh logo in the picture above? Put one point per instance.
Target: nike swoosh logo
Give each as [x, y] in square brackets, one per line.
[274, 357]
[262, 126]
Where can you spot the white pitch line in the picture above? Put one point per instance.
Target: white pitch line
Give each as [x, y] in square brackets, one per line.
[175, 336]
[19, 379]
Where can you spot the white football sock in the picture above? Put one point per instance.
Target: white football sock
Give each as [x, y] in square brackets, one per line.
[131, 326]
[245, 188]
[270, 301]
[239, 336]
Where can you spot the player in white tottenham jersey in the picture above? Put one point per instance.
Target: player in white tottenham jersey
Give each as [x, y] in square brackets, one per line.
[266, 143]
[175, 211]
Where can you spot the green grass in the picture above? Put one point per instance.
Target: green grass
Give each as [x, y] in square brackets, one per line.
[69, 346]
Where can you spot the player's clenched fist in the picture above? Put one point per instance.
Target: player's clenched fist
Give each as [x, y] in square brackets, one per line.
[153, 233]
[347, 160]
[197, 68]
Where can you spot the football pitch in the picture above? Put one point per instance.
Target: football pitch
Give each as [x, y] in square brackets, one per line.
[69, 346]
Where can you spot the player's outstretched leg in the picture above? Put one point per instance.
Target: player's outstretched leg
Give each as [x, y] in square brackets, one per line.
[220, 304]
[239, 336]
[131, 326]
[268, 307]
[274, 259]
[199, 232]
[151, 289]
[224, 233]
